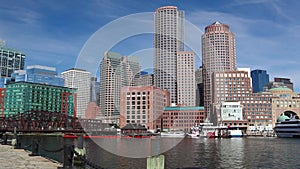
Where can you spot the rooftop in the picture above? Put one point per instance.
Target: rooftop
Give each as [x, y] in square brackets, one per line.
[280, 88]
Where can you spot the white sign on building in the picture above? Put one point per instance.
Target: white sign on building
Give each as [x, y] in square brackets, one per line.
[231, 111]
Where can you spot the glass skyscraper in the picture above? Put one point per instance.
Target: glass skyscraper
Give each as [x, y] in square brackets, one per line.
[38, 74]
[260, 79]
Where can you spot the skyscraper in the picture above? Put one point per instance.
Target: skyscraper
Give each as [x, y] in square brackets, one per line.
[110, 84]
[80, 80]
[199, 87]
[168, 40]
[116, 72]
[130, 68]
[218, 54]
[10, 60]
[260, 79]
[186, 79]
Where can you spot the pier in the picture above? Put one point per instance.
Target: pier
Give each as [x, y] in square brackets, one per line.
[20, 159]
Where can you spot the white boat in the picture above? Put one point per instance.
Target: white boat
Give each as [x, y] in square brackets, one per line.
[236, 133]
[287, 126]
[194, 132]
[203, 130]
[173, 134]
[209, 130]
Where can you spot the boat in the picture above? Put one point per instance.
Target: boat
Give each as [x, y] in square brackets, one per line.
[205, 129]
[236, 133]
[194, 132]
[173, 134]
[287, 126]
[208, 130]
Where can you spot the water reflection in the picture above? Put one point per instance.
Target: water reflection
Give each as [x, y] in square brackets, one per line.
[137, 148]
[202, 153]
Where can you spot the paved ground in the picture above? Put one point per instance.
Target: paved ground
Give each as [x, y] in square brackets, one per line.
[11, 158]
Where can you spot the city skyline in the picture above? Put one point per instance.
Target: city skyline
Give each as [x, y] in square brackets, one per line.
[52, 35]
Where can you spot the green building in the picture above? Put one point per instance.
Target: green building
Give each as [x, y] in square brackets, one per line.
[25, 96]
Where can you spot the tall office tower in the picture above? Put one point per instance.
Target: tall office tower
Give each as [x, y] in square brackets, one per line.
[116, 72]
[130, 68]
[95, 90]
[38, 74]
[218, 54]
[110, 79]
[143, 80]
[168, 40]
[199, 87]
[80, 80]
[186, 92]
[260, 79]
[10, 60]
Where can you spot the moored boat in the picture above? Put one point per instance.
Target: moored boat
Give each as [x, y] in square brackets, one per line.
[173, 134]
[287, 126]
[236, 133]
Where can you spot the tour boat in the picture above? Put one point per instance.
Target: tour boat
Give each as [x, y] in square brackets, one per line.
[287, 126]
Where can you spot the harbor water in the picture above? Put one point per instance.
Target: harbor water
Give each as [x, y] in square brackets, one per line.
[249, 152]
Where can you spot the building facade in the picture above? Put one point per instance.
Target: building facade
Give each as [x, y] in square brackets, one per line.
[260, 80]
[199, 87]
[285, 81]
[143, 80]
[25, 96]
[130, 68]
[10, 60]
[143, 105]
[218, 54]
[80, 80]
[168, 40]
[232, 115]
[258, 109]
[110, 84]
[38, 74]
[182, 118]
[186, 91]
[285, 100]
[235, 86]
[228, 86]
[116, 72]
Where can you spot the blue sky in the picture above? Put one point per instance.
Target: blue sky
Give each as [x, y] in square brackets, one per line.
[52, 33]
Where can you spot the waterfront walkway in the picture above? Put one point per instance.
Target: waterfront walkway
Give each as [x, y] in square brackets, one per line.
[11, 158]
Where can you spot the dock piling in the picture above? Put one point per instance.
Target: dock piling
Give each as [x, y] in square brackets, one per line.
[68, 156]
[35, 148]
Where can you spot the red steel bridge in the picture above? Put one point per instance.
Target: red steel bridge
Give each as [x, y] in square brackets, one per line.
[46, 122]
